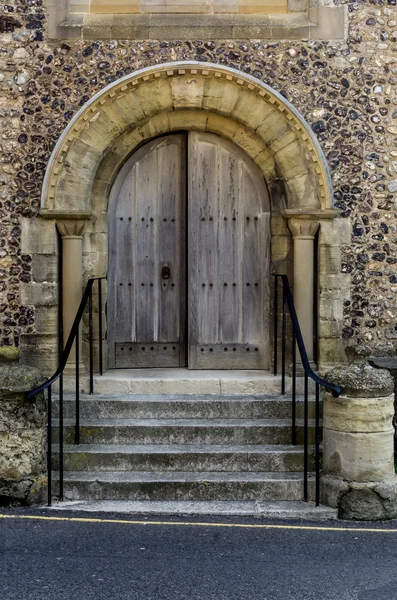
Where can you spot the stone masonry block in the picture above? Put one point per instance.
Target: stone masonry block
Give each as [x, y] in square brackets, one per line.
[220, 96]
[281, 247]
[39, 294]
[329, 259]
[329, 329]
[46, 319]
[188, 119]
[335, 231]
[251, 110]
[221, 125]
[248, 141]
[45, 267]
[187, 91]
[40, 350]
[330, 309]
[38, 236]
[291, 160]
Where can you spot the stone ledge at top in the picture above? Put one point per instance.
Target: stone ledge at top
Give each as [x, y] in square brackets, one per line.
[321, 23]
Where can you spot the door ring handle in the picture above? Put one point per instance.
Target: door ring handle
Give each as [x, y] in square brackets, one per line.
[165, 272]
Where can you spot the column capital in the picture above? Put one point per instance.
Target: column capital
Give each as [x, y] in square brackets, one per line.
[71, 228]
[303, 228]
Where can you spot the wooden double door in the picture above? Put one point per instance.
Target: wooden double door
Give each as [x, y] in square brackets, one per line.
[189, 257]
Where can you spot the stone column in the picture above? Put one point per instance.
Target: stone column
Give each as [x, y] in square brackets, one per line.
[303, 231]
[358, 458]
[72, 232]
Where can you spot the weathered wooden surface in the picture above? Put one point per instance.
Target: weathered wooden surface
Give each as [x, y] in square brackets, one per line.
[148, 355]
[229, 356]
[228, 255]
[224, 279]
[147, 233]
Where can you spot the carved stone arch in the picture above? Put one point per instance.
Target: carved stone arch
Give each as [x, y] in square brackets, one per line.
[205, 97]
[188, 96]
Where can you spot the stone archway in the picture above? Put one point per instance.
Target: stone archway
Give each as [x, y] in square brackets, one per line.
[183, 96]
[204, 97]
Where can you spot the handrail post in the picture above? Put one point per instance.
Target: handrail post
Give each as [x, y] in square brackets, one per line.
[100, 325]
[49, 447]
[283, 344]
[61, 437]
[73, 338]
[275, 323]
[91, 343]
[318, 436]
[77, 429]
[293, 387]
[306, 440]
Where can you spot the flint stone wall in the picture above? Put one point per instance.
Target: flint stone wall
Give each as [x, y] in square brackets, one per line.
[23, 477]
[346, 90]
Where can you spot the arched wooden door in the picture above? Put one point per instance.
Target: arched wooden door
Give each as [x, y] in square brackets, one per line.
[189, 241]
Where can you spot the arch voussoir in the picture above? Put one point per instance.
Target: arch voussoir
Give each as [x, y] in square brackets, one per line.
[198, 96]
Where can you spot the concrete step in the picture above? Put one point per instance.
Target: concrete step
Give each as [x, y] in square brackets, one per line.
[130, 485]
[183, 431]
[271, 510]
[178, 406]
[220, 458]
[182, 381]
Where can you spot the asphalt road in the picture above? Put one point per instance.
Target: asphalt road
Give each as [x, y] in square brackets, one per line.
[80, 560]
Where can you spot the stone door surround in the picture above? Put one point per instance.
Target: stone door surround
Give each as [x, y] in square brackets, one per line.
[204, 97]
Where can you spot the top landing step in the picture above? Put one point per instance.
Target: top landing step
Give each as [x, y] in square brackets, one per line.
[185, 381]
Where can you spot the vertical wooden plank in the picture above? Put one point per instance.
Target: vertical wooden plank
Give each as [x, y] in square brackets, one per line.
[266, 256]
[252, 259]
[146, 231]
[172, 235]
[121, 264]
[228, 328]
[203, 243]
[229, 247]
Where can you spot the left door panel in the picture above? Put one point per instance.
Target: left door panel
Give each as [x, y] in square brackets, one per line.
[147, 258]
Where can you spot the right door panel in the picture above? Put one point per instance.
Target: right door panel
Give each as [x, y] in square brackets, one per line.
[228, 257]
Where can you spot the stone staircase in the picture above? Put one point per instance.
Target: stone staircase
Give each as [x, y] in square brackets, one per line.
[179, 453]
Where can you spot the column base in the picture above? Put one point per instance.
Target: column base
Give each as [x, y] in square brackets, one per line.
[360, 501]
[70, 370]
[300, 371]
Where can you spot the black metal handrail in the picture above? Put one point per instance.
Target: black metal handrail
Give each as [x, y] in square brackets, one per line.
[73, 338]
[297, 341]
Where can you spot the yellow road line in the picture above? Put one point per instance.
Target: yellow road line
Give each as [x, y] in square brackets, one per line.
[201, 524]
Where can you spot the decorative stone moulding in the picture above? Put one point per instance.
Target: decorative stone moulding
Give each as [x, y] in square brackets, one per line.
[358, 456]
[176, 96]
[61, 215]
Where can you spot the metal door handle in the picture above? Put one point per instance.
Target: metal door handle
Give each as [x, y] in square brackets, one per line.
[165, 272]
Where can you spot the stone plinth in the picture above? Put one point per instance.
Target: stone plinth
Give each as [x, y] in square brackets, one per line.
[358, 461]
[22, 436]
[390, 364]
